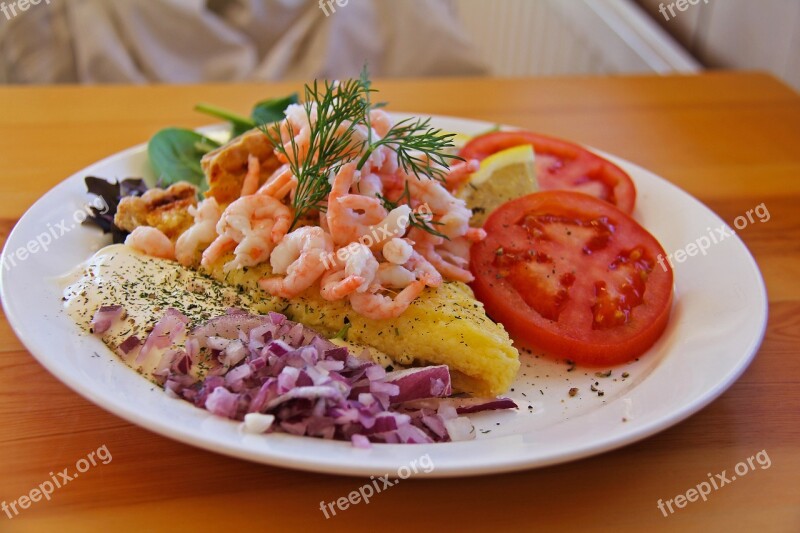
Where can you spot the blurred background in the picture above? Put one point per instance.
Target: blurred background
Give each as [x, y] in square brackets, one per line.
[186, 41]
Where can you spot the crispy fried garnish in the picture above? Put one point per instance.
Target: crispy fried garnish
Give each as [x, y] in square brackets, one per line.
[226, 167]
[165, 209]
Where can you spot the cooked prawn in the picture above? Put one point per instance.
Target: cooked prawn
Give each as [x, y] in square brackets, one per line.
[281, 183]
[301, 255]
[378, 306]
[353, 274]
[424, 270]
[296, 132]
[391, 276]
[397, 251]
[201, 233]
[426, 244]
[253, 224]
[251, 179]
[151, 241]
[345, 223]
[380, 121]
[450, 212]
[393, 226]
[460, 173]
[370, 185]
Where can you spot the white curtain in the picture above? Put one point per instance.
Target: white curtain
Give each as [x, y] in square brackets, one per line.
[184, 41]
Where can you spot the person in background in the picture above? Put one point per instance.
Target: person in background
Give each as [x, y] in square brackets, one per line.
[189, 41]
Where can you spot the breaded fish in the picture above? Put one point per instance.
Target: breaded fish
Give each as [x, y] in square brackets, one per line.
[226, 167]
[164, 209]
[446, 325]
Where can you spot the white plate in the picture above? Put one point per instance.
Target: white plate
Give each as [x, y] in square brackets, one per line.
[716, 327]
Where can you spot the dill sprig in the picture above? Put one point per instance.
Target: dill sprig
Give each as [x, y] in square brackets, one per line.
[421, 149]
[336, 110]
[331, 107]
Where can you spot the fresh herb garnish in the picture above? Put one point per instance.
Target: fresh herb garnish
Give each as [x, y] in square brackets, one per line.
[175, 155]
[342, 333]
[338, 109]
[264, 112]
[421, 148]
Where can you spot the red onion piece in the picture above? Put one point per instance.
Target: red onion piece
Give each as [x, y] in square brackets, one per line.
[105, 317]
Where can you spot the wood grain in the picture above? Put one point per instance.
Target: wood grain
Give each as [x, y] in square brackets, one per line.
[730, 139]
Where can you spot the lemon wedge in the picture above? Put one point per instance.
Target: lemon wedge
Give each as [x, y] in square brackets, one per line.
[503, 176]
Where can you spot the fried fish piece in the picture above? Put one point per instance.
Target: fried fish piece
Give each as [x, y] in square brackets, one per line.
[443, 326]
[226, 166]
[164, 209]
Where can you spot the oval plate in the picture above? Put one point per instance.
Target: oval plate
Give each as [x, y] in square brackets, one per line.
[717, 325]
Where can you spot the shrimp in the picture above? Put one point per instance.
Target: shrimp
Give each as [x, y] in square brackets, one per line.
[346, 225]
[253, 224]
[301, 255]
[251, 179]
[378, 306]
[391, 227]
[280, 184]
[151, 241]
[380, 121]
[460, 173]
[475, 234]
[424, 270]
[370, 185]
[426, 245]
[201, 233]
[391, 276]
[407, 268]
[451, 213]
[455, 251]
[296, 132]
[353, 274]
[397, 251]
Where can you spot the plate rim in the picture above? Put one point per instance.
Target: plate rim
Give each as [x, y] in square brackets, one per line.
[509, 463]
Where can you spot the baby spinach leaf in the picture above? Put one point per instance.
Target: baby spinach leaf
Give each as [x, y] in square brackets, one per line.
[271, 110]
[264, 112]
[239, 123]
[175, 155]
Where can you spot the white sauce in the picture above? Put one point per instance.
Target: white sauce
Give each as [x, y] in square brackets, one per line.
[145, 287]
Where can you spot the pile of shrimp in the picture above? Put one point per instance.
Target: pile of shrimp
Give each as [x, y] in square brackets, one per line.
[359, 250]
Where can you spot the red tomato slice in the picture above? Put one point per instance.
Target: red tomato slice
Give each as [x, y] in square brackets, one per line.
[562, 165]
[574, 276]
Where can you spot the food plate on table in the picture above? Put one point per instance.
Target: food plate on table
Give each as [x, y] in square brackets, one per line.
[544, 411]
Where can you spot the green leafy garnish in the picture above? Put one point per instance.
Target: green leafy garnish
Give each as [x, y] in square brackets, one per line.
[342, 333]
[264, 112]
[269, 111]
[239, 123]
[341, 107]
[175, 155]
[421, 148]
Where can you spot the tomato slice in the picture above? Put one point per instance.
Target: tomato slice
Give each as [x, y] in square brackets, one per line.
[562, 165]
[574, 276]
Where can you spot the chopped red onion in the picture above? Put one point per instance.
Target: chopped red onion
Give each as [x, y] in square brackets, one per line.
[165, 333]
[129, 344]
[105, 317]
[476, 405]
[278, 375]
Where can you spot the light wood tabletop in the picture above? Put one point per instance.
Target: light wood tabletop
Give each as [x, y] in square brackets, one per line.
[732, 140]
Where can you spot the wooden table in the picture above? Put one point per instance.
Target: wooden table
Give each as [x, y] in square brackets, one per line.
[732, 140]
